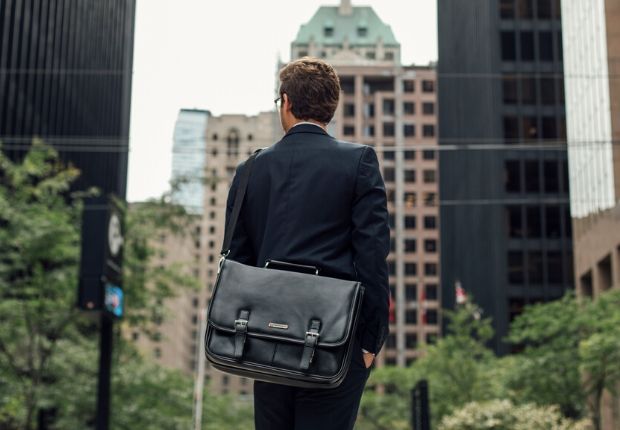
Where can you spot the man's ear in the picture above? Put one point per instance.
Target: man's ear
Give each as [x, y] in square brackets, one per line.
[286, 102]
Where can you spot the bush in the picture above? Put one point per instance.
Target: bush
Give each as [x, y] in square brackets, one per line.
[503, 415]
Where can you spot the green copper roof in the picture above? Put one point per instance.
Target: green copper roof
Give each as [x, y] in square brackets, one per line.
[345, 26]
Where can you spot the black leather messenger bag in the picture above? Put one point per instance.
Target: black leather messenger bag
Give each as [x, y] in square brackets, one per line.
[280, 326]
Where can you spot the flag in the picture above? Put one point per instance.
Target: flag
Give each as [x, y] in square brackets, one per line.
[461, 295]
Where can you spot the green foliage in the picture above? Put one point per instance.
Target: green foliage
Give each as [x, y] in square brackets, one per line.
[547, 370]
[48, 351]
[503, 415]
[459, 368]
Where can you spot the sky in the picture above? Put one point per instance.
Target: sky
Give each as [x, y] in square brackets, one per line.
[222, 56]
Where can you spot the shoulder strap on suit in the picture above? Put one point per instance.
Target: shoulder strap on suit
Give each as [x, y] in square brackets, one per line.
[234, 216]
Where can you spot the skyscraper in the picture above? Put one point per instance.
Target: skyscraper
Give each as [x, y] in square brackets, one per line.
[392, 108]
[592, 67]
[65, 76]
[505, 222]
[188, 159]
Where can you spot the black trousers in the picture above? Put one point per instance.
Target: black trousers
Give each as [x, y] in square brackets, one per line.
[280, 407]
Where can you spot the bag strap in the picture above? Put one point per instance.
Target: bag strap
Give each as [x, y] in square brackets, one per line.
[234, 216]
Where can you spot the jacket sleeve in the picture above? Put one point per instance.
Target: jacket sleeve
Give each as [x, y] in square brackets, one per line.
[241, 249]
[371, 246]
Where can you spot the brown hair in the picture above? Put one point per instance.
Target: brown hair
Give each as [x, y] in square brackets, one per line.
[312, 87]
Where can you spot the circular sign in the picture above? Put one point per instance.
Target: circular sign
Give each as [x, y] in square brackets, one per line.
[115, 237]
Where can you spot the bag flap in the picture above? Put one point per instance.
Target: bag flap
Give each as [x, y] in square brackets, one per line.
[282, 304]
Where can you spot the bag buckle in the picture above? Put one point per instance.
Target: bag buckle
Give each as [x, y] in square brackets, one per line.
[312, 340]
[241, 329]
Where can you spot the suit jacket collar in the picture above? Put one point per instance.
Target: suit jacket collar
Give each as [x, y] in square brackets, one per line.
[306, 128]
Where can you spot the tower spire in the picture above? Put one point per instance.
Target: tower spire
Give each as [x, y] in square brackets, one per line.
[345, 7]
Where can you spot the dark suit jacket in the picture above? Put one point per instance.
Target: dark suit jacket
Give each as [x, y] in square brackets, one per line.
[314, 200]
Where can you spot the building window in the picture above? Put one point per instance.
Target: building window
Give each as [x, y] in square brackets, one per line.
[509, 90]
[391, 268]
[551, 177]
[431, 338]
[509, 50]
[511, 129]
[430, 245]
[428, 86]
[429, 199]
[554, 267]
[328, 31]
[525, 8]
[549, 127]
[515, 267]
[409, 108]
[512, 175]
[410, 222]
[370, 55]
[514, 221]
[430, 291]
[388, 106]
[370, 110]
[534, 224]
[410, 245]
[302, 54]
[409, 175]
[535, 267]
[553, 223]
[528, 91]
[409, 155]
[431, 316]
[409, 130]
[410, 199]
[157, 352]
[348, 130]
[529, 127]
[362, 31]
[430, 269]
[388, 129]
[428, 130]
[369, 131]
[428, 154]
[389, 56]
[429, 177]
[388, 155]
[532, 177]
[547, 91]
[428, 108]
[411, 292]
[544, 9]
[527, 46]
[349, 110]
[390, 341]
[411, 316]
[388, 174]
[411, 269]
[408, 86]
[545, 46]
[391, 220]
[507, 9]
[411, 340]
[430, 222]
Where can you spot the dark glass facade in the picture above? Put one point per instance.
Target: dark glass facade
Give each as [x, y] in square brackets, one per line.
[65, 76]
[505, 224]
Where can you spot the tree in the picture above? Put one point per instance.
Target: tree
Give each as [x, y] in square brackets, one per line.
[546, 372]
[599, 350]
[460, 368]
[47, 349]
